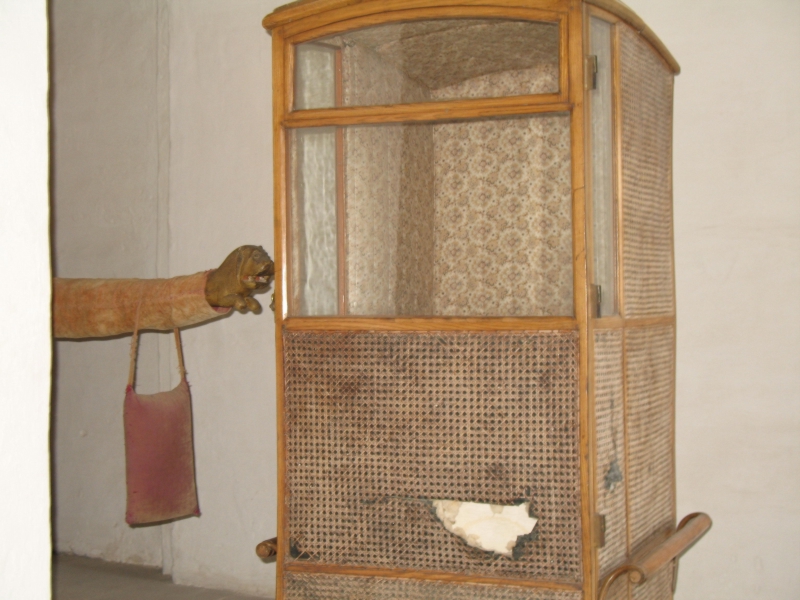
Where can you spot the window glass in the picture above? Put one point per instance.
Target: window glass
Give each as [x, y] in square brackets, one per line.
[467, 218]
[314, 235]
[431, 60]
[315, 79]
[602, 173]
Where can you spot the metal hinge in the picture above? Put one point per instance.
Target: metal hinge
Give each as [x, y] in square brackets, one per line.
[599, 530]
[598, 300]
[591, 72]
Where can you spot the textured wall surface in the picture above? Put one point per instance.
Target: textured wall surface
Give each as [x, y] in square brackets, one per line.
[25, 322]
[737, 226]
[161, 125]
[220, 197]
[737, 239]
[105, 224]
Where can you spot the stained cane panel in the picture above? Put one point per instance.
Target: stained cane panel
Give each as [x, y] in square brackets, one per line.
[380, 424]
[646, 102]
[302, 586]
[650, 372]
[610, 465]
[657, 587]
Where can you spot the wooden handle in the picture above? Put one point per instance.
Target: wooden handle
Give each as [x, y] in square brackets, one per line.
[639, 569]
[267, 549]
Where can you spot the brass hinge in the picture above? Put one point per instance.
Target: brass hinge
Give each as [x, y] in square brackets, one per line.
[598, 300]
[591, 72]
[599, 530]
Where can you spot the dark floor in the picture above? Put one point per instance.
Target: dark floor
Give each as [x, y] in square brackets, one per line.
[79, 578]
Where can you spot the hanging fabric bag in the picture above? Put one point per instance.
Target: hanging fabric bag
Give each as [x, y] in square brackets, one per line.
[159, 452]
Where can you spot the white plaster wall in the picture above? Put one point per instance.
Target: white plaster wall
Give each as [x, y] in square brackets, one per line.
[105, 205]
[221, 197]
[24, 303]
[132, 202]
[737, 230]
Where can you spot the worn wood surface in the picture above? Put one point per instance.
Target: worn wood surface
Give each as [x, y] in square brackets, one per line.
[576, 53]
[625, 13]
[280, 218]
[316, 12]
[668, 547]
[431, 324]
[309, 19]
[299, 567]
[427, 111]
[330, 24]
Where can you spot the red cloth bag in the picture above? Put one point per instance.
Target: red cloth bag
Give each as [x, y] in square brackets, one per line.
[159, 452]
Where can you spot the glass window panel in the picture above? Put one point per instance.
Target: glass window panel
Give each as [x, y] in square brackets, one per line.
[602, 183]
[313, 232]
[440, 59]
[469, 218]
[315, 81]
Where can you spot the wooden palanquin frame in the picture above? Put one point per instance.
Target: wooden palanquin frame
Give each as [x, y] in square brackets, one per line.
[309, 19]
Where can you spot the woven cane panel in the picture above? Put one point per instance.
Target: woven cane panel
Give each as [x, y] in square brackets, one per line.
[646, 100]
[650, 364]
[301, 586]
[380, 424]
[610, 464]
[658, 587]
[620, 589]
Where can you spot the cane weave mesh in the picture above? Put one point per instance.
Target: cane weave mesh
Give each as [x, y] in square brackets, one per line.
[379, 424]
[620, 589]
[646, 101]
[658, 587]
[650, 364]
[610, 474]
[302, 586]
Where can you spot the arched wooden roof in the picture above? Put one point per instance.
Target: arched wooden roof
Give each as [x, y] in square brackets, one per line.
[303, 8]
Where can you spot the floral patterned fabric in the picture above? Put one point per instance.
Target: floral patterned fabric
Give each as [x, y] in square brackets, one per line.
[503, 217]
[465, 218]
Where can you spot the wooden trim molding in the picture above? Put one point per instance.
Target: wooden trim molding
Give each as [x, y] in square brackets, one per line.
[430, 324]
[301, 9]
[426, 111]
[617, 322]
[618, 9]
[327, 24]
[279, 216]
[299, 567]
[643, 566]
[580, 287]
[344, 9]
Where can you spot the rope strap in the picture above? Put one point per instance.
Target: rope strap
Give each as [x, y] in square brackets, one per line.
[135, 346]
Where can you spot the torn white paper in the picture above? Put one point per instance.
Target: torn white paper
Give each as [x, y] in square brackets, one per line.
[490, 527]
